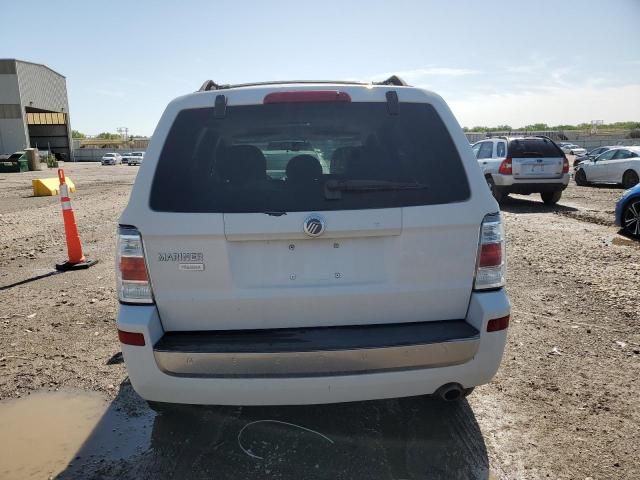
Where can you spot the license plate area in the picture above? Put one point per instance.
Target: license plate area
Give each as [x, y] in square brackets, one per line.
[536, 169]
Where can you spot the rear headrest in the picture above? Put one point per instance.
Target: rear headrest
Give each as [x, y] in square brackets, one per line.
[303, 168]
[242, 163]
[340, 158]
[356, 164]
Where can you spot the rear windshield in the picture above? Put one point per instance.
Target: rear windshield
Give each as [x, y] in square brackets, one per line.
[278, 158]
[534, 147]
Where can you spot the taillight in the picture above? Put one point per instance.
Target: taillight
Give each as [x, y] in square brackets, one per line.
[506, 167]
[301, 96]
[131, 273]
[565, 164]
[490, 267]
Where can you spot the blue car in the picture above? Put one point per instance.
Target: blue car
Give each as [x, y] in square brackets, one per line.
[628, 212]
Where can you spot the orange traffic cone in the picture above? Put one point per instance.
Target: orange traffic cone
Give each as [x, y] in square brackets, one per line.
[76, 259]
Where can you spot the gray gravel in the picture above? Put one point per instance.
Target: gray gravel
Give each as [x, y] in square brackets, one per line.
[563, 405]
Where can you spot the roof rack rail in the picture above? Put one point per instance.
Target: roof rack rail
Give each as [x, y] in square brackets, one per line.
[490, 135]
[211, 85]
[208, 85]
[393, 80]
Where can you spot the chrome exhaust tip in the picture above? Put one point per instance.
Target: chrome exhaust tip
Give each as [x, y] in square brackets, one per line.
[450, 392]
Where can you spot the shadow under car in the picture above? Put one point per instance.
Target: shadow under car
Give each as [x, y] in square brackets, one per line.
[417, 437]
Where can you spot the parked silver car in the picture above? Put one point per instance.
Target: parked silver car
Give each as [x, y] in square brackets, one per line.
[111, 159]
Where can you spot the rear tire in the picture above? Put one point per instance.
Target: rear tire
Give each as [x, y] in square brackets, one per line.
[581, 178]
[498, 194]
[631, 218]
[551, 198]
[629, 179]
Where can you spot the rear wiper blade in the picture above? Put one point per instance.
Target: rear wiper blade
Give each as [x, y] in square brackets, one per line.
[333, 188]
[274, 213]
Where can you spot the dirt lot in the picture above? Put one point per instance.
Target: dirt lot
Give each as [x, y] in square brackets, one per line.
[563, 405]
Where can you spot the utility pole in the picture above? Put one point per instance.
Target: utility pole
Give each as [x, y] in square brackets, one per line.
[594, 126]
[124, 133]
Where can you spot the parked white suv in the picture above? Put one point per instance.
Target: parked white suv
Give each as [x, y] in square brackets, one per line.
[380, 276]
[133, 158]
[523, 165]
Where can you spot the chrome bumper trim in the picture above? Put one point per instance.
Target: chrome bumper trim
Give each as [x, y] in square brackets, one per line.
[317, 363]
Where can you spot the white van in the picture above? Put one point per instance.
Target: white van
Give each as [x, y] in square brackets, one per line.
[370, 264]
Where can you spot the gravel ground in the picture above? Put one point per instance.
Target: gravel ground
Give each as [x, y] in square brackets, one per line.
[563, 405]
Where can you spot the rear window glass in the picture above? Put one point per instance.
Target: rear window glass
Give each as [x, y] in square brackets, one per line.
[533, 147]
[279, 158]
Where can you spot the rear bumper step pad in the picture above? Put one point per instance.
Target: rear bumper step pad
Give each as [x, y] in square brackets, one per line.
[318, 351]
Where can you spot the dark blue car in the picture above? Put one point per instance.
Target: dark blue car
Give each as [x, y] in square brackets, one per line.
[628, 212]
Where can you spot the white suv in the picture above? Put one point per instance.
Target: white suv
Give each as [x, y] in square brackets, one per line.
[247, 280]
[523, 165]
[133, 158]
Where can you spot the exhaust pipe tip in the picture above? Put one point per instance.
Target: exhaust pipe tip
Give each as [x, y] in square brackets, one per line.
[450, 392]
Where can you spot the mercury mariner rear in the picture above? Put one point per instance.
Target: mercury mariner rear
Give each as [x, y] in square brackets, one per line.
[300, 243]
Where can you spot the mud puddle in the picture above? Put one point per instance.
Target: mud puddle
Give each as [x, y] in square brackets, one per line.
[78, 435]
[42, 434]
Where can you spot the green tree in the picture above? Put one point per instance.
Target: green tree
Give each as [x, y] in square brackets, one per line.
[77, 134]
[537, 126]
[544, 126]
[564, 127]
[108, 136]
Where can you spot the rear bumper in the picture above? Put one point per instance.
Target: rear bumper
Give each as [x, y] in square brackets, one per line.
[304, 352]
[508, 184]
[176, 369]
[618, 212]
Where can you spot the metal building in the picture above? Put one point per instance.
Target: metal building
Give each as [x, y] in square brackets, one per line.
[34, 108]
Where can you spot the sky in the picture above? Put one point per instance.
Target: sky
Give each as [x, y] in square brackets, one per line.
[494, 62]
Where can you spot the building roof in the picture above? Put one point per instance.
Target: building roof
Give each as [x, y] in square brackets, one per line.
[32, 63]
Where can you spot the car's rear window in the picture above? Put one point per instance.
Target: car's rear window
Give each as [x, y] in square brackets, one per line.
[278, 158]
[534, 147]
